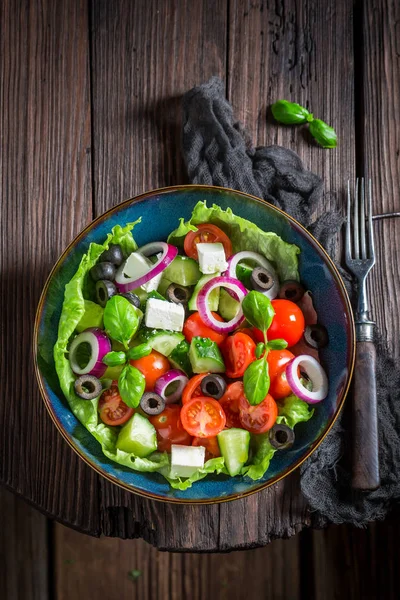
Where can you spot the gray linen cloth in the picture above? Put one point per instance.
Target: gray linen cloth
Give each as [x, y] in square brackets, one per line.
[217, 151]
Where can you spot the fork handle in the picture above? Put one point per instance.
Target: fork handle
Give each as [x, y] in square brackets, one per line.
[365, 474]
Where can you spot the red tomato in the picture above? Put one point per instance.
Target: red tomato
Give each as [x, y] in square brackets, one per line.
[277, 360]
[238, 351]
[169, 428]
[192, 388]
[288, 323]
[152, 366]
[206, 233]
[203, 417]
[250, 332]
[210, 444]
[194, 326]
[112, 409]
[259, 418]
[230, 404]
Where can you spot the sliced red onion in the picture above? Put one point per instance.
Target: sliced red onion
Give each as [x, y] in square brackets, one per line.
[99, 344]
[162, 383]
[314, 371]
[261, 261]
[238, 291]
[168, 253]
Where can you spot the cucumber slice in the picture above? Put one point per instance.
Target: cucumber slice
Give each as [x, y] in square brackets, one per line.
[179, 358]
[228, 306]
[234, 445]
[185, 460]
[213, 297]
[137, 436]
[183, 271]
[205, 356]
[92, 317]
[164, 285]
[243, 273]
[160, 339]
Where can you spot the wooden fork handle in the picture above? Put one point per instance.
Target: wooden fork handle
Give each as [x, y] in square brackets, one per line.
[365, 474]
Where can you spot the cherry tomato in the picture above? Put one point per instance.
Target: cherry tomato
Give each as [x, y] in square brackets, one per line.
[210, 444]
[277, 360]
[259, 418]
[152, 366]
[194, 326]
[112, 409]
[230, 403]
[250, 332]
[169, 428]
[288, 323]
[238, 351]
[192, 388]
[203, 417]
[206, 233]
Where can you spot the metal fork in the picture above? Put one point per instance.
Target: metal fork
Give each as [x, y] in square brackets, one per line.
[360, 258]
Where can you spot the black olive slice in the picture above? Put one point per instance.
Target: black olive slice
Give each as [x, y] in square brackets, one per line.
[88, 387]
[113, 255]
[178, 294]
[213, 386]
[291, 290]
[261, 280]
[281, 436]
[316, 336]
[104, 291]
[103, 270]
[132, 298]
[151, 403]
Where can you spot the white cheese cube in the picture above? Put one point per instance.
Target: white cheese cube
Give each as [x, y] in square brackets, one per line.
[211, 258]
[161, 314]
[137, 265]
[185, 460]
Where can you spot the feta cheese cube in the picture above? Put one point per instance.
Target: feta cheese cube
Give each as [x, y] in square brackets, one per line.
[137, 265]
[211, 258]
[185, 460]
[161, 314]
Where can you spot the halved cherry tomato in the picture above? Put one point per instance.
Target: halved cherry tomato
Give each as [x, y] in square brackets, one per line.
[230, 403]
[206, 233]
[210, 444]
[152, 366]
[112, 409]
[250, 332]
[288, 323]
[203, 417]
[169, 428]
[259, 418]
[277, 360]
[192, 388]
[238, 351]
[194, 326]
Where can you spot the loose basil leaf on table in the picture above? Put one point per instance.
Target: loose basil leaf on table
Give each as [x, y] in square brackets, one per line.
[131, 384]
[277, 344]
[258, 310]
[120, 319]
[256, 381]
[139, 351]
[290, 113]
[323, 134]
[114, 359]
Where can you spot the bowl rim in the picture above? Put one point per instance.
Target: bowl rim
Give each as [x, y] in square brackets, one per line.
[158, 497]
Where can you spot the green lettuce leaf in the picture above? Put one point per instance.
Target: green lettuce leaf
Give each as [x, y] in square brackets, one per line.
[244, 235]
[214, 465]
[292, 410]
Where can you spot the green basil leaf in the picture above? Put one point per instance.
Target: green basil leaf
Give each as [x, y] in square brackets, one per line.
[120, 319]
[290, 113]
[258, 310]
[138, 351]
[256, 381]
[131, 384]
[277, 344]
[260, 348]
[323, 133]
[113, 359]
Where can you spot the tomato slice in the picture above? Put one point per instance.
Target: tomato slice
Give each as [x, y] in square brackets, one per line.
[288, 323]
[277, 359]
[230, 403]
[112, 409]
[203, 417]
[152, 366]
[259, 418]
[194, 326]
[206, 233]
[238, 351]
[192, 388]
[210, 444]
[168, 426]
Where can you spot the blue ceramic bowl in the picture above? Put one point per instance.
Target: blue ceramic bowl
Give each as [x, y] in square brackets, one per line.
[160, 211]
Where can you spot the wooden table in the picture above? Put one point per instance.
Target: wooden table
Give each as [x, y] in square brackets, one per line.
[90, 115]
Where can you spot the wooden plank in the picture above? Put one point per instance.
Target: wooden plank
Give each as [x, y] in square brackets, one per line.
[24, 553]
[45, 167]
[274, 571]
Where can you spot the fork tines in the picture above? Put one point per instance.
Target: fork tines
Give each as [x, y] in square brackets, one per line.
[360, 245]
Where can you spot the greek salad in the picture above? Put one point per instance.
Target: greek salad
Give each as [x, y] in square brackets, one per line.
[194, 355]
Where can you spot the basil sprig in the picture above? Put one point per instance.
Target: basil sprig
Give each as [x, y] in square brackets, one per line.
[121, 320]
[114, 359]
[291, 113]
[131, 384]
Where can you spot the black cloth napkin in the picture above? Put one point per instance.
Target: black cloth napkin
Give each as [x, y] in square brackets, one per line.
[217, 151]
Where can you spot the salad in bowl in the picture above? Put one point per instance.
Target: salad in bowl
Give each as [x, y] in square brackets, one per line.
[193, 356]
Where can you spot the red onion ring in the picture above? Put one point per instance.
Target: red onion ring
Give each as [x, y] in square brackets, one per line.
[314, 371]
[239, 292]
[169, 252]
[165, 380]
[261, 261]
[100, 345]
